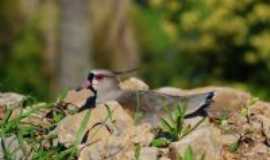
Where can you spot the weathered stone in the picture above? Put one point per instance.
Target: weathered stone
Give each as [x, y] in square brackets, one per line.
[148, 153]
[68, 127]
[228, 139]
[142, 134]
[164, 158]
[257, 151]
[266, 128]
[202, 142]
[108, 137]
[261, 108]
[144, 153]
[78, 98]
[12, 147]
[134, 84]
[111, 148]
[37, 118]
[11, 100]
[118, 146]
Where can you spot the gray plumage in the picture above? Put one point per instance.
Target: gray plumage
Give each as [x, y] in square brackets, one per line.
[150, 103]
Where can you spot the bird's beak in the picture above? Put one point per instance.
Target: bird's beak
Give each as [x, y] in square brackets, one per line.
[85, 85]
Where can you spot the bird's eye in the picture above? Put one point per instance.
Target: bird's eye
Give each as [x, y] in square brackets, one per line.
[99, 77]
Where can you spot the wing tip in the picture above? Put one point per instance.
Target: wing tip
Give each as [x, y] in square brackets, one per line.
[202, 111]
[209, 98]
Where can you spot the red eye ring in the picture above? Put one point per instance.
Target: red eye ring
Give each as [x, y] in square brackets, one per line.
[99, 77]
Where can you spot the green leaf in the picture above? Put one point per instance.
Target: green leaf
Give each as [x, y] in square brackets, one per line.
[171, 117]
[179, 125]
[160, 142]
[188, 154]
[137, 151]
[6, 153]
[166, 125]
[109, 112]
[234, 146]
[83, 127]
[7, 116]
[203, 156]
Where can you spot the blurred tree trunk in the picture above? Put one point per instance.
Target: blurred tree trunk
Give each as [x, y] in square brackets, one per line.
[74, 42]
[114, 43]
[29, 7]
[49, 24]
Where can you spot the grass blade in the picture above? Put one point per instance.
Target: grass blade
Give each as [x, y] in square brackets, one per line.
[188, 154]
[166, 125]
[83, 125]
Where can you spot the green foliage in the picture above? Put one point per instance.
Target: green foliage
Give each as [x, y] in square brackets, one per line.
[83, 127]
[173, 128]
[175, 125]
[137, 152]
[20, 52]
[246, 110]
[189, 155]
[160, 142]
[223, 119]
[33, 136]
[184, 43]
[234, 146]
[208, 42]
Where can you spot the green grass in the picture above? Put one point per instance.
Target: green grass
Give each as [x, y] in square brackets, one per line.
[190, 155]
[38, 141]
[137, 152]
[31, 138]
[246, 111]
[173, 128]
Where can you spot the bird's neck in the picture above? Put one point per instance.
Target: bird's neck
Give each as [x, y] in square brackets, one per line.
[108, 95]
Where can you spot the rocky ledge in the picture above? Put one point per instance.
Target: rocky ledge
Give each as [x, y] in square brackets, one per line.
[237, 127]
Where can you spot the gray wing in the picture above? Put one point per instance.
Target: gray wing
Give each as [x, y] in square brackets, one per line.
[154, 102]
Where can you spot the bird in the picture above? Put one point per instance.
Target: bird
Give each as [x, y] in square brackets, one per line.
[106, 87]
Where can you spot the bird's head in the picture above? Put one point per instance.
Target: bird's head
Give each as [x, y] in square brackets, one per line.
[101, 80]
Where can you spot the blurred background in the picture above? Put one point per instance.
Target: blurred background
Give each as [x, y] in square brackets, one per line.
[49, 45]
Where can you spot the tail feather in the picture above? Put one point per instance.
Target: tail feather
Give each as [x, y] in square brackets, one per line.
[199, 104]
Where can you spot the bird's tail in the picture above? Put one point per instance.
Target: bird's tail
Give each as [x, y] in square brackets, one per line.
[198, 104]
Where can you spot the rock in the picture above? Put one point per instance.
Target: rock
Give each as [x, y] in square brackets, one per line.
[69, 126]
[37, 118]
[134, 84]
[228, 139]
[226, 100]
[261, 108]
[12, 146]
[11, 101]
[112, 148]
[172, 91]
[113, 134]
[258, 151]
[117, 147]
[201, 140]
[148, 153]
[78, 98]
[142, 134]
[164, 158]
[144, 153]
[108, 137]
[266, 129]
